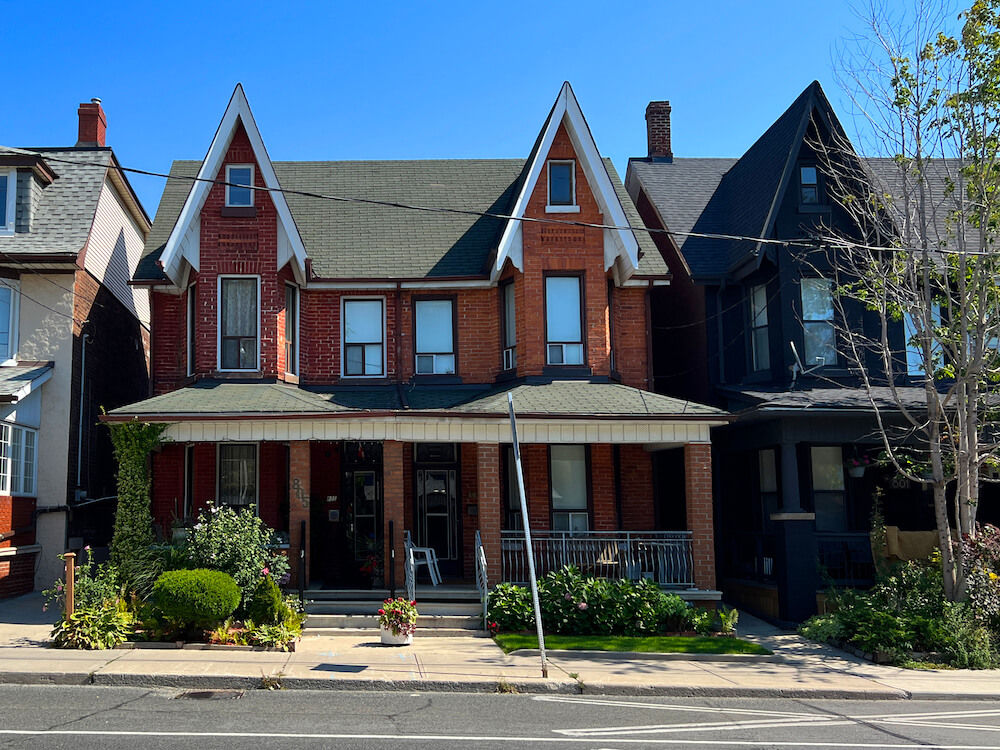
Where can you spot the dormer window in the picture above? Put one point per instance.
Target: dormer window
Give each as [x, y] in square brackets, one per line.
[8, 190]
[562, 187]
[239, 187]
[808, 186]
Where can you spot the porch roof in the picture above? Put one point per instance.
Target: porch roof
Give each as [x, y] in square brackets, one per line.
[567, 399]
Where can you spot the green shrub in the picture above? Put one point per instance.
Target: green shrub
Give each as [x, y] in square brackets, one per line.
[823, 628]
[510, 608]
[94, 585]
[235, 542]
[674, 614]
[102, 626]
[702, 621]
[966, 643]
[196, 598]
[267, 607]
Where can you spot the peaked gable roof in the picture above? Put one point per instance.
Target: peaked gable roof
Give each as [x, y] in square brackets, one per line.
[620, 244]
[183, 242]
[722, 196]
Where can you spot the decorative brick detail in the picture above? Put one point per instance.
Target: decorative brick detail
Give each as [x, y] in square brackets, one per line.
[698, 494]
[490, 508]
[299, 474]
[393, 502]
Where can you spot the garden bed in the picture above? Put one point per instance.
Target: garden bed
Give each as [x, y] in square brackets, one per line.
[664, 644]
[196, 646]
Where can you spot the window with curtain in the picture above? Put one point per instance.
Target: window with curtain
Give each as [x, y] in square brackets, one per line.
[829, 495]
[291, 329]
[239, 313]
[237, 474]
[435, 339]
[509, 326]
[363, 337]
[759, 345]
[568, 479]
[817, 322]
[563, 320]
[18, 460]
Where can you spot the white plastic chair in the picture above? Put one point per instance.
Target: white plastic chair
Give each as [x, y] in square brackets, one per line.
[430, 559]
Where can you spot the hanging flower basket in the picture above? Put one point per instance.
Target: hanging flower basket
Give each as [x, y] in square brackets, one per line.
[856, 472]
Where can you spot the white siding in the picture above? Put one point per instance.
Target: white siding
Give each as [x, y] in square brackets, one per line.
[113, 252]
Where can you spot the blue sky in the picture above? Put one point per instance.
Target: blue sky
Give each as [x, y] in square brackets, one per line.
[413, 80]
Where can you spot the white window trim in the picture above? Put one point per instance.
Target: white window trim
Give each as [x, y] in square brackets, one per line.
[11, 426]
[218, 322]
[189, 343]
[10, 356]
[253, 192]
[218, 473]
[298, 328]
[8, 228]
[343, 343]
[572, 208]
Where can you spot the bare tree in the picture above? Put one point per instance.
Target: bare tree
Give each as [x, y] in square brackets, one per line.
[922, 202]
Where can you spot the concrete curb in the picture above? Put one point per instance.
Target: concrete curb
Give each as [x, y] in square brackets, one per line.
[623, 656]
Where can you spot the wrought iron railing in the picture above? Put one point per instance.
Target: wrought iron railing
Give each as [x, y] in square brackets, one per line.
[664, 557]
[846, 557]
[749, 555]
[409, 572]
[482, 578]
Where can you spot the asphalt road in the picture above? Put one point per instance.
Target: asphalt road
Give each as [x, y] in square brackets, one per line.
[106, 717]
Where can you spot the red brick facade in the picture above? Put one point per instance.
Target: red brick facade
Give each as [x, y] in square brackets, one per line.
[698, 492]
[17, 573]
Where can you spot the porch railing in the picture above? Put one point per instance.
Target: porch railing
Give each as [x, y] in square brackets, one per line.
[664, 557]
[409, 572]
[482, 579]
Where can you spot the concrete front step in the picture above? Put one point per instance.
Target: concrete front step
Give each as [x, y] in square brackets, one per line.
[421, 632]
[368, 607]
[424, 622]
[442, 593]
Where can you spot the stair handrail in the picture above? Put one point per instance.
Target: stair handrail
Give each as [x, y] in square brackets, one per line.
[482, 578]
[409, 572]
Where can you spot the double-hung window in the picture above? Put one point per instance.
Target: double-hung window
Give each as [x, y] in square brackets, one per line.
[808, 186]
[8, 319]
[239, 187]
[239, 323]
[563, 320]
[364, 334]
[568, 478]
[291, 329]
[8, 190]
[237, 474]
[561, 186]
[435, 324]
[509, 324]
[759, 344]
[817, 322]
[829, 495]
[18, 460]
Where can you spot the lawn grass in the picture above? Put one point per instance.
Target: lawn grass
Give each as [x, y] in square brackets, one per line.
[660, 644]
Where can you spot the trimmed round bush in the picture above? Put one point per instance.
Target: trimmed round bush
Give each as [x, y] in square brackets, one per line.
[196, 598]
[268, 605]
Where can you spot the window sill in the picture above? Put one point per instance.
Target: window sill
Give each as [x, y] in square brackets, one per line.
[244, 212]
[562, 209]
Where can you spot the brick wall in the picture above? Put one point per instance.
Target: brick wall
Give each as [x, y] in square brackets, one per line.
[17, 574]
[604, 514]
[638, 513]
[393, 485]
[299, 492]
[698, 492]
[490, 515]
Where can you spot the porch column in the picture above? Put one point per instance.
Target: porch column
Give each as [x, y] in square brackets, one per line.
[298, 507]
[698, 496]
[490, 515]
[795, 532]
[392, 508]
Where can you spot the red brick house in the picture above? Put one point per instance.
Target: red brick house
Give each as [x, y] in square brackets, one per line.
[334, 342]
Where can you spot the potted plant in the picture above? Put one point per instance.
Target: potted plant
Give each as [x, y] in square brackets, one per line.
[856, 466]
[397, 620]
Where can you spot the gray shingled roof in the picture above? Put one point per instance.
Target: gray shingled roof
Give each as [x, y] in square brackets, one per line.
[805, 398]
[560, 399]
[355, 240]
[66, 208]
[14, 377]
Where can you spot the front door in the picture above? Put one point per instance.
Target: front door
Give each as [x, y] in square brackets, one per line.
[438, 522]
[362, 556]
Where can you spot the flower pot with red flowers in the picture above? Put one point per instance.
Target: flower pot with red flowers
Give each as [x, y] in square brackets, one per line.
[397, 621]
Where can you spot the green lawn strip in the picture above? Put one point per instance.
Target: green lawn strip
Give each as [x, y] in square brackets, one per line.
[661, 644]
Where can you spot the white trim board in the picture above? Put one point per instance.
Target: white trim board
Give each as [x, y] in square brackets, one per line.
[619, 244]
[184, 241]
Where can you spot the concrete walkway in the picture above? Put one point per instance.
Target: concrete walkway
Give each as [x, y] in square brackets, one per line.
[359, 662]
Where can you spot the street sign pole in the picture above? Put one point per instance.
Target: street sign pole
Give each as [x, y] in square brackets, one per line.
[527, 537]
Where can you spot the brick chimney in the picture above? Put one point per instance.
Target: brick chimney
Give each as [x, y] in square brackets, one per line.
[93, 123]
[658, 131]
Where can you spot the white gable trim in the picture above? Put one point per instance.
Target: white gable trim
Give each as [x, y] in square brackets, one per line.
[183, 243]
[619, 244]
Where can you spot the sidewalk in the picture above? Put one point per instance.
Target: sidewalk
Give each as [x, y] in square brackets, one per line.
[468, 664]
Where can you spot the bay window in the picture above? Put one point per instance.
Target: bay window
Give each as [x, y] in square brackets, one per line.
[435, 338]
[568, 479]
[563, 320]
[817, 322]
[237, 478]
[364, 336]
[239, 323]
[18, 460]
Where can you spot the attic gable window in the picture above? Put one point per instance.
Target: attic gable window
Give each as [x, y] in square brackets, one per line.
[8, 189]
[808, 186]
[562, 187]
[239, 191]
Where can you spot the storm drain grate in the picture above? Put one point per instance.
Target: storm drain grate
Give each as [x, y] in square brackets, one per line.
[210, 695]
